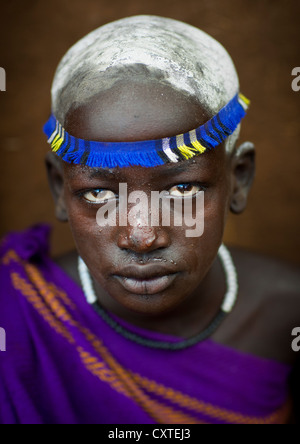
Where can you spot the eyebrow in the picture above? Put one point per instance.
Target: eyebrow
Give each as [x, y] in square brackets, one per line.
[109, 174]
[102, 172]
[178, 169]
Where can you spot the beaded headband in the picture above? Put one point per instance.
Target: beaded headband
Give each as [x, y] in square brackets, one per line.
[148, 153]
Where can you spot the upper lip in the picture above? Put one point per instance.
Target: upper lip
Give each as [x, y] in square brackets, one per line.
[145, 272]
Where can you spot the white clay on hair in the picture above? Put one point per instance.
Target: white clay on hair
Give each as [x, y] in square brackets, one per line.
[177, 54]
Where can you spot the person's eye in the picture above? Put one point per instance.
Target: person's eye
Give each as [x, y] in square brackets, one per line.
[185, 190]
[99, 196]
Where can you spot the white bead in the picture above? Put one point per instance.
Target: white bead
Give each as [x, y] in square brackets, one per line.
[86, 282]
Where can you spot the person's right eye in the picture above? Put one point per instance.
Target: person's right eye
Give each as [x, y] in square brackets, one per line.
[99, 196]
[185, 190]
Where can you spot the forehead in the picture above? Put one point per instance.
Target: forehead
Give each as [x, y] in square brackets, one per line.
[133, 110]
[140, 109]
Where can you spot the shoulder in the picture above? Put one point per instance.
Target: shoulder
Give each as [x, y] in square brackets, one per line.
[269, 276]
[269, 302]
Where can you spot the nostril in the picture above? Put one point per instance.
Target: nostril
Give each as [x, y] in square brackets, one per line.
[137, 241]
[142, 240]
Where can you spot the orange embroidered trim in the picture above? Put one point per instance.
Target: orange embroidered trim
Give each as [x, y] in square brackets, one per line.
[9, 257]
[156, 410]
[280, 416]
[32, 296]
[62, 295]
[47, 293]
[100, 370]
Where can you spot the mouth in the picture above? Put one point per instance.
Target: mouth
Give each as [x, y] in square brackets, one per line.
[146, 280]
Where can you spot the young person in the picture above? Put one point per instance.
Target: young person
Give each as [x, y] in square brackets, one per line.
[145, 323]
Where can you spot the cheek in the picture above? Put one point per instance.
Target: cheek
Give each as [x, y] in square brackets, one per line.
[83, 223]
[94, 244]
[215, 215]
[217, 204]
[200, 252]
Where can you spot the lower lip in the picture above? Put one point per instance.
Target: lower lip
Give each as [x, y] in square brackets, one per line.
[147, 287]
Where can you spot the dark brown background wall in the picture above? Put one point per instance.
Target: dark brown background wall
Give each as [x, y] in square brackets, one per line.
[261, 35]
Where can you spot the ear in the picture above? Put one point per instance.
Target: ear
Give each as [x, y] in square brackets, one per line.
[56, 182]
[243, 172]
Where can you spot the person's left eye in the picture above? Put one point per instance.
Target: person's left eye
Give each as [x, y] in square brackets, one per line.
[185, 190]
[98, 196]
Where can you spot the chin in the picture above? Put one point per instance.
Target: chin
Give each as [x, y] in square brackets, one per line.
[149, 305]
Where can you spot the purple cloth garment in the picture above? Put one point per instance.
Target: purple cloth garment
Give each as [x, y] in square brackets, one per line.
[64, 365]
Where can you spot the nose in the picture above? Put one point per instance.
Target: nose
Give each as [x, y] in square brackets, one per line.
[143, 239]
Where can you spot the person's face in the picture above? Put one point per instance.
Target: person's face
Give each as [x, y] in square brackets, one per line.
[148, 270]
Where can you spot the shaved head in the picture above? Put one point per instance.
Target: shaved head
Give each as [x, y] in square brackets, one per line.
[146, 49]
